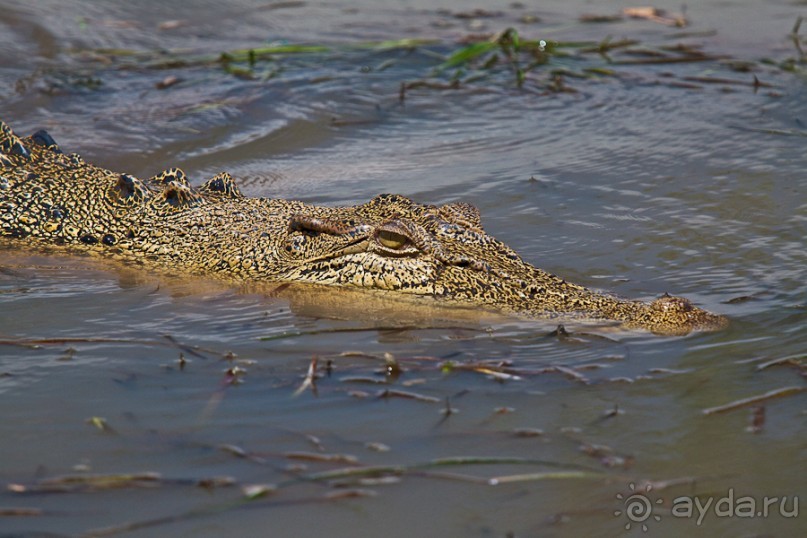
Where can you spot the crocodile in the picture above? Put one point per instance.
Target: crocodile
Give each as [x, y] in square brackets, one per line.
[49, 198]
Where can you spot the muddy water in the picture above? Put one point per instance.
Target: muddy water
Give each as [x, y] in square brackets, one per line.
[655, 177]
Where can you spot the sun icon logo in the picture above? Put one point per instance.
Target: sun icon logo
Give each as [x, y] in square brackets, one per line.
[638, 507]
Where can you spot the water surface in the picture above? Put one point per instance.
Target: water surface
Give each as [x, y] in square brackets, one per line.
[674, 177]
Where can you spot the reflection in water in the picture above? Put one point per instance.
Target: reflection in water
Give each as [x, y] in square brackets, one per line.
[642, 181]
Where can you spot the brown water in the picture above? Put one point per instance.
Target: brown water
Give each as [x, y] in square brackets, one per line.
[654, 179]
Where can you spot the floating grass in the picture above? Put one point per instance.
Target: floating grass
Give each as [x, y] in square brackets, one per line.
[777, 132]
[342, 483]
[17, 511]
[457, 461]
[37, 343]
[401, 328]
[751, 400]
[496, 60]
[797, 360]
[256, 53]
[89, 482]
[535, 477]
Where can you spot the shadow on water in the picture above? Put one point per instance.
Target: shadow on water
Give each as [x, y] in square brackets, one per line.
[151, 405]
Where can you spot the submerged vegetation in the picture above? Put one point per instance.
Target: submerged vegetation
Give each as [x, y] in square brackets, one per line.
[506, 59]
[306, 470]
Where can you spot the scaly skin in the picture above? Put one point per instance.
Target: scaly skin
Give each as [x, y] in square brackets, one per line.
[389, 243]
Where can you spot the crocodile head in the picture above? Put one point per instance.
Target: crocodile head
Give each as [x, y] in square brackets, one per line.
[389, 243]
[392, 243]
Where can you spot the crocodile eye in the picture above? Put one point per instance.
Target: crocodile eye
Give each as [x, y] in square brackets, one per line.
[392, 240]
